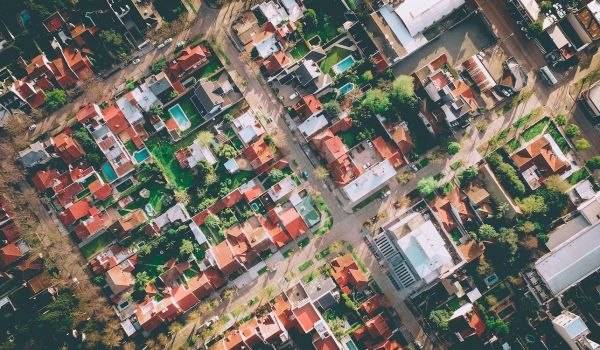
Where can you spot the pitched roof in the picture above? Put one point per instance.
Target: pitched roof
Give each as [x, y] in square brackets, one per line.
[541, 154]
[259, 154]
[119, 280]
[44, 179]
[10, 231]
[9, 254]
[346, 272]
[333, 148]
[67, 147]
[100, 190]
[224, 258]
[308, 105]
[306, 317]
[115, 118]
[75, 212]
[92, 225]
[388, 151]
[293, 223]
[276, 61]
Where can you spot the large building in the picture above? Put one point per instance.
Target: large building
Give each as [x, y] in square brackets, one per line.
[574, 331]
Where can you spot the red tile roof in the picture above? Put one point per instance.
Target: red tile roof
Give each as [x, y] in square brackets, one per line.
[293, 223]
[184, 298]
[539, 153]
[328, 343]
[115, 119]
[269, 328]
[44, 179]
[78, 62]
[11, 232]
[92, 225]
[346, 272]
[67, 147]
[308, 105]
[63, 74]
[283, 311]
[276, 61]
[378, 327]
[250, 333]
[372, 305]
[259, 154]
[9, 254]
[68, 194]
[100, 190]
[388, 151]
[86, 112]
[75, 212]
[306, 317]
[225, 259]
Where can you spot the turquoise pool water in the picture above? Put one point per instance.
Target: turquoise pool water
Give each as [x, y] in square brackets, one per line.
[109, 172]
[346, 88]
[180, 118]
[141, 155]
[350, 345]
[344, 64]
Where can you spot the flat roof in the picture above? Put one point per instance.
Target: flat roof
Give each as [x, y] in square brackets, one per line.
[417, 15]
[409, 42]
[369, 181]
[313, 124]
[426, 251]
[571, 261]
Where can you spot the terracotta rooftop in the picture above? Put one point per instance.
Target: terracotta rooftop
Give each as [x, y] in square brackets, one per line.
[347, 272]
[306, 316]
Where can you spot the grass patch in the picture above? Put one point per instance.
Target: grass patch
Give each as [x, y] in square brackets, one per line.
[329, 18]
[263, 271]
[288, 253]
[335, 55]
[578, 176]
[323, 253]
[95, 245]
[163, 152]
[535, 130]
[522, 121]
[300, 50]
[349, 137]
[456, 165]
[358, 260]
[513, 144]
[305, 265]
[303, 243]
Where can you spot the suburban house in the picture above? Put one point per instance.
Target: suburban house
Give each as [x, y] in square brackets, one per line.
[247, 127]
[67, 147]
[590, 100]
[190, 59]
[347, 274]
[574, 331]
[190, 156]
[34, 154]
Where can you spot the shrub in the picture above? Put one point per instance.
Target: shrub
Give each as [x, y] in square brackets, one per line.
[440, 319]
[572, 131]
[453, 147]
[467, 176]
[55, 99]
[593, 163]
[507, 175]
[561, 119]
[582, 145]
[427, 186]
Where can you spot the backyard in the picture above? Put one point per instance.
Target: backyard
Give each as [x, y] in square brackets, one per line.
[95, 245]
[335, 55]
[329, 18]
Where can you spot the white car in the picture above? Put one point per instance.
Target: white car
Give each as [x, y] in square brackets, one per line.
[160, 46]
[136, 61]
[32, 127]
[168, 41]
[181, 44]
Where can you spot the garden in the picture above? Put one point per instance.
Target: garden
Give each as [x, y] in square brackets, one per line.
[335, 55]
[322, 19]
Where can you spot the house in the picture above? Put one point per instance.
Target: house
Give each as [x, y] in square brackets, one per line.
[67, 147]
[370, 181]
[321, 291]
[259, 154]
[245, 27]
[34, 154]
[190, 156]
[478, 73]
[99, 189]
[120, 279]
[212, 96]
[289, 220]
[312, 125]
[205, 283]
[574, 331]
[282, 190]
[590, 100]
[161, 86]
[330, 146]
[127, 223]
[416, 251]
[308, 106]
[377, 334]
[189, 60]
[224, 259]
[514, 78]
[76, 211]
[9, 232]
[78, 62]
[453, 210]
[347, 273]
[12, 253]
[254, 233]
[540, 159]
[465, 322]
[92, 225]
[152, 313]
[276, 63]
[247, 127]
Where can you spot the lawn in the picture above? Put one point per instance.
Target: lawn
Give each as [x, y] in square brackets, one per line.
[213, 66]
[329, 18]
[95, 245]
[191, 113]
[349, 137]
[334, 55]
[519, 123]
[163, 152]
[578, 176]
[322, 254]
[158, 194]
[513, 145]
[305, 265]
[535, 130]
[299, 50]
[303, 242]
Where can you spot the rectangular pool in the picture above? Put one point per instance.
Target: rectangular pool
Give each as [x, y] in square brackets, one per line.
[109, 172]
[180, 118]
[346, 88]
[343, 65]
[141, 155]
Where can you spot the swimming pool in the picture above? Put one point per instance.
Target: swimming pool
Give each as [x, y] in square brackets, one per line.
[346, 88]
[350, 345]
[109, 172]
[180, 118]
[343, 65]
[141, 155]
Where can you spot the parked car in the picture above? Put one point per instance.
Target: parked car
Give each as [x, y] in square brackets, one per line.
[180, 44]
[136, 61]
[160, 46]
[304, 174]
[32, 127]
[168, 41]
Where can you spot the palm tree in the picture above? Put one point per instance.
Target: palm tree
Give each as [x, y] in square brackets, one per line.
[205, 138]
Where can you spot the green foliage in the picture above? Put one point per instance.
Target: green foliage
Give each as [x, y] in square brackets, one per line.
[453, 147]
[227, 151]
[572, 131]
[332, 108]
[276, 175]
[561, 119]
[582, 145]
[350, 304]
[205, 138]
[536, 28]
[212, 221]
[56, 321]
[92, 152]
[497, 326]
[533, 205]
[466, 176]
[55, 99]
[113, 41]
[376, 101]
[487, 232]
[507, 175]
[158, 65]
[427, 186]
[311, 17]
[186, 248]
[366, 77]
[593, 163]
[440, 319]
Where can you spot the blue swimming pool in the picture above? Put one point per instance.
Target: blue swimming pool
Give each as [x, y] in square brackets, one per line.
[180, 118]
[141, 155]
[350, 345]
[344, 64]
[109, 172]
[346, 88]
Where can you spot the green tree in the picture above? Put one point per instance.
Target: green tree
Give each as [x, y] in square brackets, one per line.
[427, 186]
[228, 118]
[158, 65]
[332, 108]
[212, 221]
[113, 42]
[533, 205]
[484, 268]
[56, 321]
[561, 119]
[487, 232]
[276, 175]
[205, 138]
[403, 87]
[582, 145]
[141, 280]
[376, 101]
[507, 175]
[593, 163]
[572, 131]
[366, 77]
[555, 183]
[440, 319]
[497, 326]
[55, 99]
[227, 151]
[186, 248]
[311, 17]
[536, 28]
[453, 147]
[466, 176]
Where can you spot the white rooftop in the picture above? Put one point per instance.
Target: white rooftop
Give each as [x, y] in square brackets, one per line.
[144, 97]
[418, 15]
[409, 42]
[571, 261]
[594, 7]
[272, 12]
[248, 127]
[175, 213]
[199, 153]
[532, 8]
[313, 124]
[558, 37]
[590, 209]
[426, 251]
[369, 181]
[231, 165]
[282, 188]
[131, 112]
[571, 323]
[268, 46]
[295, 11]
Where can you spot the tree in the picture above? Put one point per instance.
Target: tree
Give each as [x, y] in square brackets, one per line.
[55, 99]
[212, 221]
[114, 43]
[321, 173]
[453, 147]
[484, 268]
[205, 138]
[182, 197]
[403, 87]
[311, 17]
[555, 183]
[141, 280]
[582, 145]
[158, 65]
[572, 131]
[527, 227]
[546, 5]
[366, 77]
[440, 319]
[466, 176]
[508, 239]
[186, 248]
[536, 28]
[556, 202]
[593, 163]
[507, 175]
[332, 108]
[487, 232]
[227, 151]
[427, 186]
[228, 118]
[376, 101]
[561, 119]
[533, 205]
[276, 175]
[497, 326]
